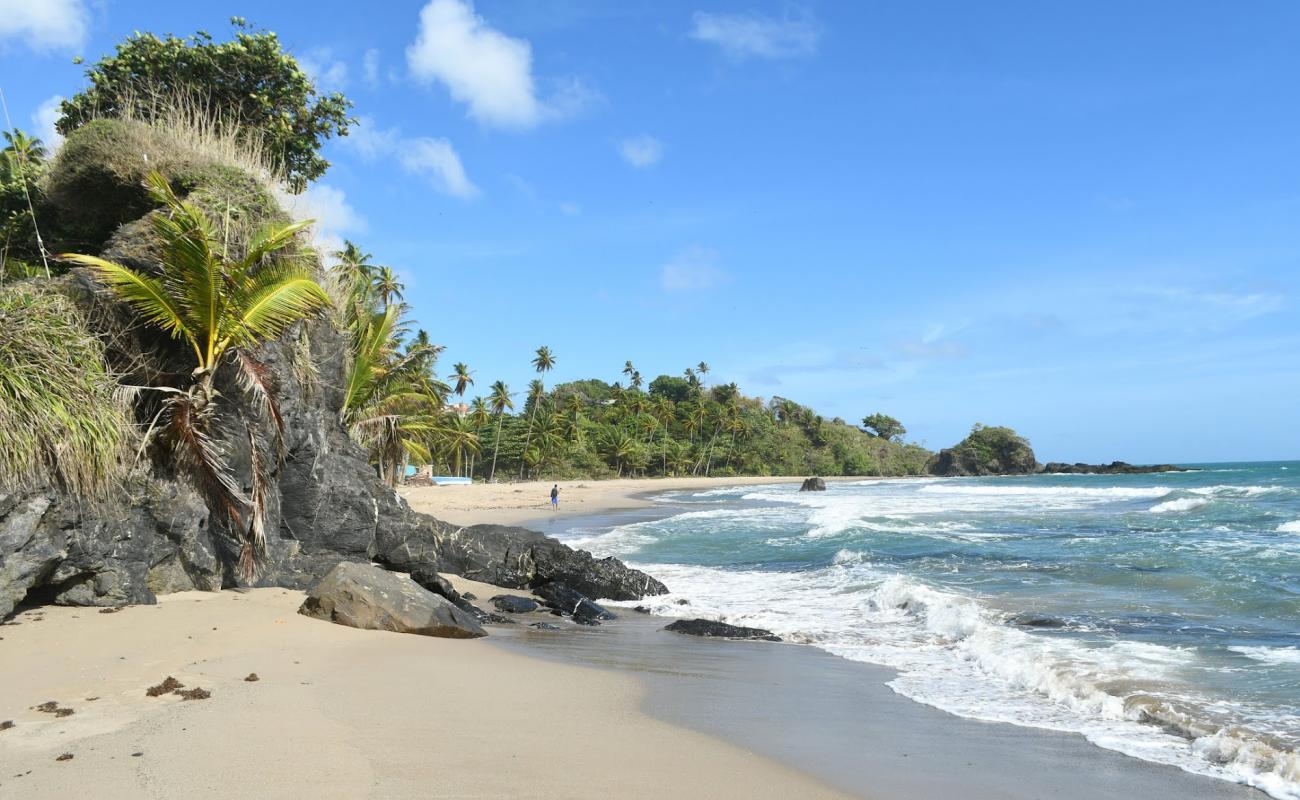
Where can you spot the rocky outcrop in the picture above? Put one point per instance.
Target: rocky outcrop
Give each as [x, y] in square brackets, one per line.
[512, 557]
[813, 485]
[710, 628]
[155, 534]
[1113, 468]
[365, 596]
[986, 451]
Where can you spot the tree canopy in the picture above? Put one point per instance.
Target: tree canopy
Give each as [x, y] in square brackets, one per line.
[884, 426]
[249, 82]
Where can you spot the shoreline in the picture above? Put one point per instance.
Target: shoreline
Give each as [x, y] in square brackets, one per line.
[529, 501]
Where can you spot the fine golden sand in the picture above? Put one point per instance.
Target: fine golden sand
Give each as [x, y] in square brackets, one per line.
[335, 713]
[515, 503]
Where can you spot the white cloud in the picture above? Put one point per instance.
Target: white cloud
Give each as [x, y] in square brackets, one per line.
[641, 151]
[370, 67]
[693, 269]
[334, 218]
[329, 73]
[570, 209]
[481, 67]
[436, 159]
[743, 36]
[46, 114]
[45, 24]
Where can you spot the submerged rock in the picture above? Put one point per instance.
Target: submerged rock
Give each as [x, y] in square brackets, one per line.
[365, 596]
[813, 485]
[514, 604]
[710, 628]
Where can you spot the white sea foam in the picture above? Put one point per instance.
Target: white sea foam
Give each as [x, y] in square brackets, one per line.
[1289, 527]
[954, 653]
[1270, 655]
[1179, 504]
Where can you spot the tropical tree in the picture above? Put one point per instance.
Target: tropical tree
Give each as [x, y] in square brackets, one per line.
[460, 440]
[543, 362]
[463, 378]
[387, 285]
[500, 403]
[884, 426]
[221, 308]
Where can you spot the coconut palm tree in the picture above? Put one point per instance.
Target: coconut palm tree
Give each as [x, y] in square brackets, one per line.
[500, 403]
[21, 148]
[478, 417]
[543, 362]
[703, 369]
[221, 308]
[628, 369]
[387, 285]
[460, 439]
[463, 378]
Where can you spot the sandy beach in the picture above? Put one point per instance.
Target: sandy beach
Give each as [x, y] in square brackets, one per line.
[517, 503]
[336, 713]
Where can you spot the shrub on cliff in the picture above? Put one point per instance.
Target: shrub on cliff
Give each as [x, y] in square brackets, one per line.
[61, 419]
[249, 81]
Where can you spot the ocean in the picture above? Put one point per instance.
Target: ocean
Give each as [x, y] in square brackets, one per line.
[1157, 615]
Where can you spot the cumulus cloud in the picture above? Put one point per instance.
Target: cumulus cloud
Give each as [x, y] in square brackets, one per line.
[743, 36]
[641, 151]
[483, 68]
[335, 219]
[434, 158]
[693, 269]
[486, 70]
[45, 24]
[46, 114]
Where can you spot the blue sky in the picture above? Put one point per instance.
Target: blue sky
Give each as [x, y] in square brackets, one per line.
[1077, 219]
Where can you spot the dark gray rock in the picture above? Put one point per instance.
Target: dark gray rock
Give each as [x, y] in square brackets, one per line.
[545, 626]
[514, 604]
[498, 619]
[365, 596]
[1113, 468]
[813, 485]
[570, 602]
[710, 628]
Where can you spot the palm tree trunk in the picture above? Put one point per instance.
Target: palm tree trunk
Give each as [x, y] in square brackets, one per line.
[528, 438]
[496, 445]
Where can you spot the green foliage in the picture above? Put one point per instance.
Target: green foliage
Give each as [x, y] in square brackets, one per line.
[593, 429]
[884, 426]
[60, 419]
[22, 165]
[96, 183]
[670, 386]
[248, 81]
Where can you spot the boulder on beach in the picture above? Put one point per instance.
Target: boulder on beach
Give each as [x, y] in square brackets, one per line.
[813, 485]
[366, 596]
[514, 604]
[570, 602]
[721, 630]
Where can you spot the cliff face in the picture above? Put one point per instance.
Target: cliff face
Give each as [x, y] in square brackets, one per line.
[155, 533]
[986, 451]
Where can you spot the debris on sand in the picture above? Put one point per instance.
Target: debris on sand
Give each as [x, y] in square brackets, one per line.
[168, 686]
[193, 694]
[252, 677]
[6, 725]
[64, 757]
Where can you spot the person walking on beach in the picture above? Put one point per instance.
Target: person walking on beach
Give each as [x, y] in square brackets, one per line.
[555, 497]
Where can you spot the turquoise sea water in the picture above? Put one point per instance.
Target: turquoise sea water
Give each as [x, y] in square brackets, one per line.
[1158, 615]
